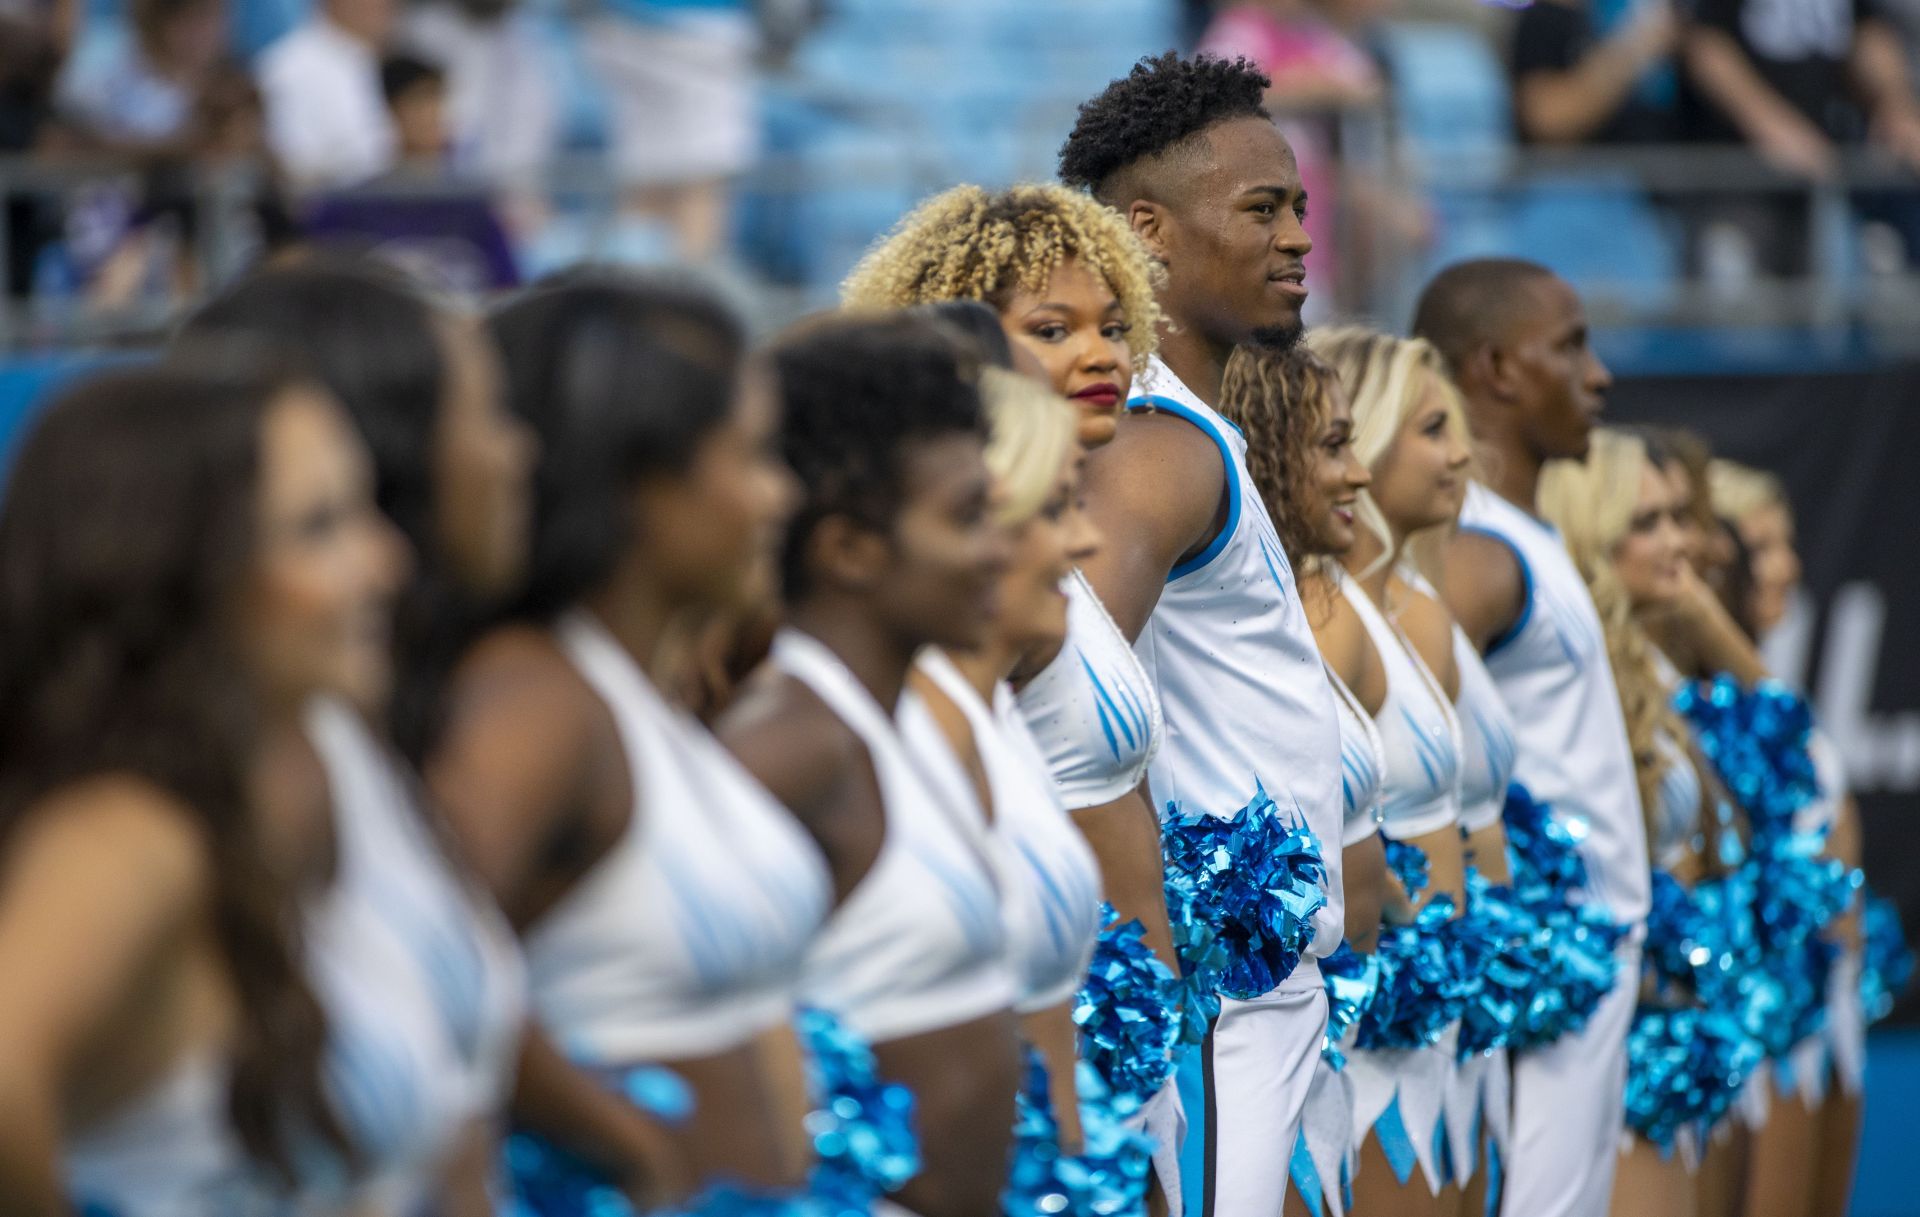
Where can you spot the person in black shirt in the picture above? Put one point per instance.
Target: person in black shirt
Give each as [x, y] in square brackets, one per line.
[1594, 75]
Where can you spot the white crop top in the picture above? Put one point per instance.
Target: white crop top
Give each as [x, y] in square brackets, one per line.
[918, 944]
[1419, 735]
[1361, 765]
[420, 977]
[1676, 812]
[1488, 747]
[1049, 879]
[687, 938]
[1093, 711]
[169, 1153]
[1241, 681]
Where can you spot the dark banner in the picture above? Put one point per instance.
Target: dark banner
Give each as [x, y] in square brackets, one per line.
[1846, 444]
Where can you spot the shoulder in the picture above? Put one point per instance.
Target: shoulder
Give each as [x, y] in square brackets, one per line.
[121, 833]
[1429, 627]
[789, 739]
[1484, 584]
[518, 683]
[1168, 471]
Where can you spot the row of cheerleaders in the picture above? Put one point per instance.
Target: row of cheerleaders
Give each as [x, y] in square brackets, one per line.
[1739, 974]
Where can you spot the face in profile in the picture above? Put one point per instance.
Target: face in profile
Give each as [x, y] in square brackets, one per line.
[1775, 564]
[1077, 330]
[1651, 558]
[319, 606]
[1420, 479]
[484, 468]
[1234, 240]
[1336, 477]
[947, 552]
[1562, 383]
[1045, 549]
[713, 531]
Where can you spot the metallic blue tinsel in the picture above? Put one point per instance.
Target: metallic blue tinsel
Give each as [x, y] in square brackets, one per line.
[1424, 984]
[1350, 982]
[1108, 1178]
[1407, 863]
[1509, 950]
[861, 1127]
[1241, 894]
[549, 1181]
[1549, 881]
[1685, 1068]
[1128, 1011]
[1757, 741]
[1886, 965]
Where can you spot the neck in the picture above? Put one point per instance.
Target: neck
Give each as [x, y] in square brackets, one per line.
[1512, 468]
[637, 612]
[1364, 562]
[986, 667]
[878, 658]
[1199, 362]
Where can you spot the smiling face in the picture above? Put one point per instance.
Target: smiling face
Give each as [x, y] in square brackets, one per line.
[1046, 548]
[1232, 235]
[1768, 534]
[1335, 479]
[1420, 478]
[946, 552]
[1077, 330]
[1651, 557]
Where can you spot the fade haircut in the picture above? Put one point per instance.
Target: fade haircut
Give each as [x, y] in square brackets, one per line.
[1157, 108]
[1473, 304]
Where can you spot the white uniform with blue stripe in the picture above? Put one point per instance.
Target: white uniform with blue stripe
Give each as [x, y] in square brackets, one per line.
[1247, 707]
[687, 938]
[1552, 670]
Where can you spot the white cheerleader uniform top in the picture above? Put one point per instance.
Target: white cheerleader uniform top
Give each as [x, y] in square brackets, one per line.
[687, 938]
[1049, 879]
[1419, 736]
[1093, 711]
[1362, 765]
[918, 945]
[170, 1153]
[419, 974]
[1488, 747]
[1552, 670]
[1676, 811]
[1245, 693]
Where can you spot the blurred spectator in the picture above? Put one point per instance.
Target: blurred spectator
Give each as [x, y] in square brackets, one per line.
[134, 87]
[35, 36]
[679, 77]
[416, 93]
[503, 111]
[1797, 80]
[326, 118]
[1600, 72]
[1320, 56]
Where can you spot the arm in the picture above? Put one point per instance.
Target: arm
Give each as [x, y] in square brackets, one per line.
[1569, 105]
[1054, 1036]
[1125, 838]
[1157, 493]
[1879, 67]
[1715, 641]
[99, 882]
[1777, 131]
[1483, 587]
[554, 1098]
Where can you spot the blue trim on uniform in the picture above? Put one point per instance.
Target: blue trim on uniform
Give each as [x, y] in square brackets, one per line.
[1107, 702]
[1306, 1178]
[1166, 405]
[1526, 580]
[1391, 1131]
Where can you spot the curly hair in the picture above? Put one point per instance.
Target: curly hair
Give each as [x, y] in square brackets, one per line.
[861, 391]
[1162, 103]
[1278, 399]
[972, 244]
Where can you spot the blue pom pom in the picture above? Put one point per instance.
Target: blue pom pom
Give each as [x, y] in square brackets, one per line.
[1424, 983]
[1409, 864]
[1886, 966]
[1350, 981]
[1510, 950]
[1241, 894]
[1108, 1178]
[1128, 1012]
[1756, 740]
[1685, 1068]
[861, 1127]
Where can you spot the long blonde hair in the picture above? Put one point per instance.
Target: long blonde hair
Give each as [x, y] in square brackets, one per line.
[1386, 379]
[1592, 503]
[1737, 490]
[1031, 432]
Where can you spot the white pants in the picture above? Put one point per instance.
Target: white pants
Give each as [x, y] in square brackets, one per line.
[1569, 1105]
[1244, 1089]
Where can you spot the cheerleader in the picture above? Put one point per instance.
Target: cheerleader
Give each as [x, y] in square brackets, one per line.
[1514, 338]
[406, 940]
[1688, 1053]
[1195, 574]
[893, 548]
[1072, 288]
[1409, 431]
[1299, 429]
[190, 556]
[664, 899]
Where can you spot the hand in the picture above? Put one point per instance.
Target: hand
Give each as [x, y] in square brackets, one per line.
[1654, 32]
[661, 1179]
[1791, 144]
[1896, 127]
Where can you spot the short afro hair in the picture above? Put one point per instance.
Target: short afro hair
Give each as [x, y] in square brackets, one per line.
[1161, 103]
[861, 391]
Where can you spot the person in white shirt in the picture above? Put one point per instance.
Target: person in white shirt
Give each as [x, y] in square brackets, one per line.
[327, 120]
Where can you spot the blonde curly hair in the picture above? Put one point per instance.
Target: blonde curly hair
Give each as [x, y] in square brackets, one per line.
[969, 243]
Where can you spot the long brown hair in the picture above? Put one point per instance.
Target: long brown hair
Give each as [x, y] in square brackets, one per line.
[1278, 399]
[126, 536]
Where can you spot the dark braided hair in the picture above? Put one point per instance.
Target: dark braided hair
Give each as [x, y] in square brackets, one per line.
[859, 391]
[1161, 103]
[1278, 399]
